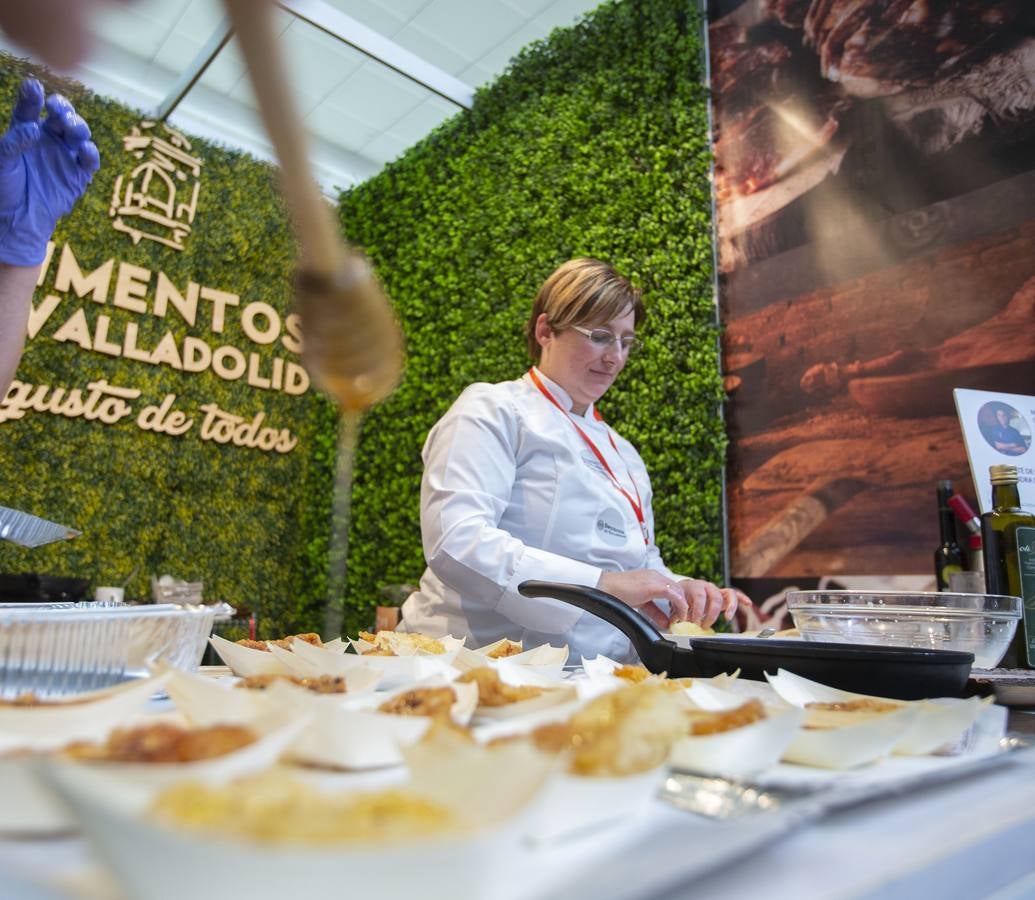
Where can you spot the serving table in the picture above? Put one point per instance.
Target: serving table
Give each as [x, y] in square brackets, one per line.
[966, 837]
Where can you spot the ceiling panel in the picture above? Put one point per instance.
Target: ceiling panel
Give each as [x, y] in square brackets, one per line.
[469, 29]
[418, 122]
[196, 16]
[431, 47]
[387, 18]
[359, 113]
[528, 9]
[378, 95]
[339, 126]
[224, 71]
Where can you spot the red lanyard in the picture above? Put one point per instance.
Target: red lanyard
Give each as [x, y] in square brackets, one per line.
[637, 504]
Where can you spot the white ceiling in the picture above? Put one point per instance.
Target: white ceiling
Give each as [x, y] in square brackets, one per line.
[360, 114]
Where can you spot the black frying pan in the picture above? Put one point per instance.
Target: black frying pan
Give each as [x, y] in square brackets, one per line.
[32, 588]
[902, 673]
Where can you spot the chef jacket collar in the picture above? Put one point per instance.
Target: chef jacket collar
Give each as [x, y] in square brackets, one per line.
[560, 395]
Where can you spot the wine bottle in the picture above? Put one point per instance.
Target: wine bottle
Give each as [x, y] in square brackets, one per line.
[948, 558]
[1008, 539]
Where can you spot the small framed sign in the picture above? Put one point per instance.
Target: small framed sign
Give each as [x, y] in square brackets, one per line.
[997, 429]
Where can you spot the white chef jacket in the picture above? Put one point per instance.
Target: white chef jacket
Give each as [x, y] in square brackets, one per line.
[511, 492]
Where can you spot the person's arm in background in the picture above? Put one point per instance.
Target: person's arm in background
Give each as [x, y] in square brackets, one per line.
[45, 166]
[16, 286]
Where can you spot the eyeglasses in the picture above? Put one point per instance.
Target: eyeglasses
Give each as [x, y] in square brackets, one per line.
[602, 338]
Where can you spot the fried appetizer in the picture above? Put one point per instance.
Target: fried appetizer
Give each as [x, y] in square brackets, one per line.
[708, 722]
[445, 732]
[493, 691]
[847, 712]
[275, 808]
[284, 643]
[552, 738]
[429, 701]
[389, 643]
[505, 648]
[249, 644]
[691, 629]
[639, 674]
[632, 674]
[163, 742]
[323, 684]
[861, 704]
[624, 732]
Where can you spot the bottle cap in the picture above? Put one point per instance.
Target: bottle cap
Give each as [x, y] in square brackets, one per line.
[965, 513]
[1002, 474]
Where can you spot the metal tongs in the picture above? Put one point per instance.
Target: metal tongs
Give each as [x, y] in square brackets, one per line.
[28, 530]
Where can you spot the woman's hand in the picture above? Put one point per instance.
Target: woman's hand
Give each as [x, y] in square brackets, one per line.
[639, 588]
[705, 601]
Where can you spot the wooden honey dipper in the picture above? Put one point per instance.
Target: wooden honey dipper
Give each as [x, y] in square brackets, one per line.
[353, 345]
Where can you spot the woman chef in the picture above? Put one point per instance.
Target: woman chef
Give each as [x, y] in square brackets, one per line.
[524, 480]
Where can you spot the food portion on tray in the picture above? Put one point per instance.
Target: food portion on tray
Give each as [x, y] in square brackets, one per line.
[310, 745]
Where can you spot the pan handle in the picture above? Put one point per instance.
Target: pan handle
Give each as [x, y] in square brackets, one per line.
[655, 652]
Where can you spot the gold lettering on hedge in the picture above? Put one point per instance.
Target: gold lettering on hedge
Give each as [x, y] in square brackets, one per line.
[45, 267]
[102, 401]
[167, 353]
[254, 378]
[197, 355]
[224, 428]
[127, 286]
[76, 329]
[148, 205]
[187, 306]
[293, 339]
[109, 404]
[228, 363]
[69, 275]
[296, 380]
[265, 335]
[131, 287]
[220, 301]
[100, 338]
[38, 315]
[163, 418]
[129, 345]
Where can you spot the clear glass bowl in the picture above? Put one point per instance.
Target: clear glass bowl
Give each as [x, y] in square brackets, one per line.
[60, 650]
[982, 624]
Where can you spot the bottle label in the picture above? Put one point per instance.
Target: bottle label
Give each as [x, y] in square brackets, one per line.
[1026, 570]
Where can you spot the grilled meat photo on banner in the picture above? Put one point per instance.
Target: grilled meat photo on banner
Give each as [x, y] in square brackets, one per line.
[874, 164]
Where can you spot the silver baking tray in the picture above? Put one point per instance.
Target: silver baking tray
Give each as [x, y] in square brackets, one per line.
[61, 649]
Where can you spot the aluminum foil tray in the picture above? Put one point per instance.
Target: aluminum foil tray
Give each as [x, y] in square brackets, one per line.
[61, 650]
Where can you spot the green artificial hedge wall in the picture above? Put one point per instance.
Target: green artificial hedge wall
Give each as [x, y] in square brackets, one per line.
[251, 524]
[594, 142]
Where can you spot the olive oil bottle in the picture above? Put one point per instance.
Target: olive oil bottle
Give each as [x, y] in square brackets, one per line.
[1008, 539]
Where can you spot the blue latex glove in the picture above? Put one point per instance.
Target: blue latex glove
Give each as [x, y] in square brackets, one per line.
[45, 167]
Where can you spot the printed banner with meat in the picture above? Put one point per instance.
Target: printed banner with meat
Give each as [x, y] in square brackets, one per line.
[874, 181]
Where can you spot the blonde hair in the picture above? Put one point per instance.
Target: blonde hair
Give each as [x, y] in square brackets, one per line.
[582, 292]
